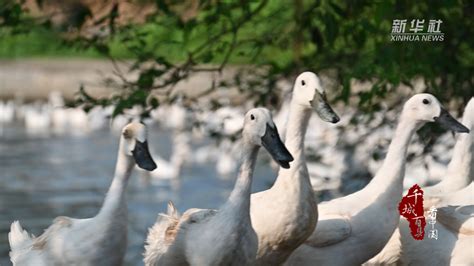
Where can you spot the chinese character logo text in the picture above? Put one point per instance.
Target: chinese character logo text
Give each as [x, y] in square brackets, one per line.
[416, 30]
[411, 207]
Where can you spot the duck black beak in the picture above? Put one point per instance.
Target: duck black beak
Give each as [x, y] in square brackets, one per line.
[142, 156]
[272, 143]
[324, 110]
[448, 122]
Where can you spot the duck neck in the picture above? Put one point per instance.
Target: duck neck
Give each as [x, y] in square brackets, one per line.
[297, 125]
[115, 200]
[389, 178]
[239, 199]
[461, 167]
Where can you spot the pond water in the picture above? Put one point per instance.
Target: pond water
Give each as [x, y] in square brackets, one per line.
[48, 175]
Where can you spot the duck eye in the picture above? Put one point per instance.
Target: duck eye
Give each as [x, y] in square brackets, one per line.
[252, 117]
[425, 101]
[303, 83]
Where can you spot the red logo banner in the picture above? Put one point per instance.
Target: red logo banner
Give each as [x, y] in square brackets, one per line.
[411, 207]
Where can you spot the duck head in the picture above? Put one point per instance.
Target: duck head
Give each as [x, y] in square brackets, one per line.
[260, 130]
[134, 143]
[308, 92]
[424, 107]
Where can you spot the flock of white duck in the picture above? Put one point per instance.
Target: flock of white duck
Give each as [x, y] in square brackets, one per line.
[284, 225]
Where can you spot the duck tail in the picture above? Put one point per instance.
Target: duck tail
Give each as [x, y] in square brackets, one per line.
[161, 235]
[172, 212]
[19, 239]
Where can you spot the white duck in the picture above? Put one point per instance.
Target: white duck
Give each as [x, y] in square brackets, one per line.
[286, 214]
[455, 221]
[224, 237]
[355, 228]
[454, 243]
[457, 186]
[460, 169]
[7, 112]
[100, 240]
[459, 174]
[37, 118]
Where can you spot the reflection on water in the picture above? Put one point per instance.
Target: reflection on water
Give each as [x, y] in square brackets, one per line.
[42, 177]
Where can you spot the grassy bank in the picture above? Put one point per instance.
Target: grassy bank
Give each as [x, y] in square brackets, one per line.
[45, 43]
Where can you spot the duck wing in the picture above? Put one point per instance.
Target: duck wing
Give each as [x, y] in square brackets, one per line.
[329, 231]
[29, 250]
[161, 245]
[195, 215]
[458, 219]
[59, 223]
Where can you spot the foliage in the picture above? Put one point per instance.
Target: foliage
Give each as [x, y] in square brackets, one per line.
[275, 39]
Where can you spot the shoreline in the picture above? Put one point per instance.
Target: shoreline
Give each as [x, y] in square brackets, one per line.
[30, 80]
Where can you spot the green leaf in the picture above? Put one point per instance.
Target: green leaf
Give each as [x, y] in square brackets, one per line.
[154, 103]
